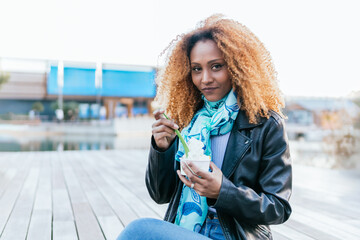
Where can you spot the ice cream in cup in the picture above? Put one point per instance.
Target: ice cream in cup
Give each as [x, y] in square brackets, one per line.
[196, 155]
[194, 152]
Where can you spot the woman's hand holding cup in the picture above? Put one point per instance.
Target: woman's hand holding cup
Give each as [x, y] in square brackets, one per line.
[205, 183]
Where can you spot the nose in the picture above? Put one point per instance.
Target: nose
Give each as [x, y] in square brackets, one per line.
[206, 77]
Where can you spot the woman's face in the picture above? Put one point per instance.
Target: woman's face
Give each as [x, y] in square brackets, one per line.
[209, 71]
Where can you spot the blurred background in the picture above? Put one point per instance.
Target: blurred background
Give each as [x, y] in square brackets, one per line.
[80, 75]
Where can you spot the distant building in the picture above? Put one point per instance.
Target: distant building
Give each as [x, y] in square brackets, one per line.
[314, 114]
[122, 89]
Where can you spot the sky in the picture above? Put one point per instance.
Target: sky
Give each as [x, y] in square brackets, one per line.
[315, 44]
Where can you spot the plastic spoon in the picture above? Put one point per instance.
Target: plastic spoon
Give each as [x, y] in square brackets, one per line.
[182, 140]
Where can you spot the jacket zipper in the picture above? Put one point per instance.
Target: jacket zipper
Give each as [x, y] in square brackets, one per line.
[242, 156]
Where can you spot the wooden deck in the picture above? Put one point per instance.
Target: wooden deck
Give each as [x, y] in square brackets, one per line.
[94, 194]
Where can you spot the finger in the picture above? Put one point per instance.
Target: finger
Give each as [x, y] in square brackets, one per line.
[192, 167]
[198, 172]
[213, 167]
[183, 179]
[187, 171]
[158, 113]
[161, 129]
[190, 173]
[158, 136]
[198, 185]
[166, 122]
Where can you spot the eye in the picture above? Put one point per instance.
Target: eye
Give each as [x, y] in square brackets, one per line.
[217, 66]
[196, 69]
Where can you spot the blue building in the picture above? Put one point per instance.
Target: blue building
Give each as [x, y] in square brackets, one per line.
[121, 89]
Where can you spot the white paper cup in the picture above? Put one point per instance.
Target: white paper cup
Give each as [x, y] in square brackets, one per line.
[201, 164]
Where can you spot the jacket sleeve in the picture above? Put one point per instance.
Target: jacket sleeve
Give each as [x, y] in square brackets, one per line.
[269, 204]
[161, 177]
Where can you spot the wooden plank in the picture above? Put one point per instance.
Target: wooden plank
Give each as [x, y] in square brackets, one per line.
[137, 167]
[10, 196]
[18, 223]
[335, 185]
[139, 187]
[109, 223]
[115, 175]
[355, 223]
[62, 211]
[8, 169]
[333, 196]
[120, 207]
[111, 226]
[64, 230]
[6, 178]
[41, 218]
[291, 233]
[132, 175]
[8, 160]
[86, 223]
[331, 222]
[103, 191]
[278, 236]
[40, 225]
[318, 234]
[319, 221]
[141, 159]
[85, 220]
[63, 220]
[331, 210]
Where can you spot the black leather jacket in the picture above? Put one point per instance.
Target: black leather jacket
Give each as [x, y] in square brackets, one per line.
[256, 184]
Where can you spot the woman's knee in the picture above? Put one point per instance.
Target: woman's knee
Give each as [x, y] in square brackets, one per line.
[138, 227]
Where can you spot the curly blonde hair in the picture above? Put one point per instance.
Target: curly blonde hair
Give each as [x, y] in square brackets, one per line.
[249, 63]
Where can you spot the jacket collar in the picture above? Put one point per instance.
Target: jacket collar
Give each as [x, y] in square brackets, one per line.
[242, 121]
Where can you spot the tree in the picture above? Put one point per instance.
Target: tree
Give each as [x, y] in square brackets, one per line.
[70, 109]
[4, 77]
[38, 107]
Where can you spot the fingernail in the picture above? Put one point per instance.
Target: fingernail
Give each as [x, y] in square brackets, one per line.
[176, 126]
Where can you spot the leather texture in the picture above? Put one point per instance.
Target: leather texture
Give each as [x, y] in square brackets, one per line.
[257, 179]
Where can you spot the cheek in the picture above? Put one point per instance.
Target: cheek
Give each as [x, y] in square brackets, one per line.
[229, 83]
[226, 79]
[196, 81]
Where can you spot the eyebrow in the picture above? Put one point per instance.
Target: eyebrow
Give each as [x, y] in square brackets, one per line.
[211, 61]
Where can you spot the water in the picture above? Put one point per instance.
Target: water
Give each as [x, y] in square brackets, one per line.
[47, 145]
[11, 143]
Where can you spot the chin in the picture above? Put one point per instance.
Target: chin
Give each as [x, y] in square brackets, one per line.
[212, 98]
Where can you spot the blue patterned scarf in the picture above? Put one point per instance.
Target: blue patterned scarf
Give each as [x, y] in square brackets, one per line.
[215, 118]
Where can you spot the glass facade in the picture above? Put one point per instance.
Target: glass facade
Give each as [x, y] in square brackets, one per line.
[115, 83]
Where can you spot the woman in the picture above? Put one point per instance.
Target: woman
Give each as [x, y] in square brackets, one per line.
[219, 86]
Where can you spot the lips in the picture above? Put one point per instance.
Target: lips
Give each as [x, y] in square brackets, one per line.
[209, 89]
